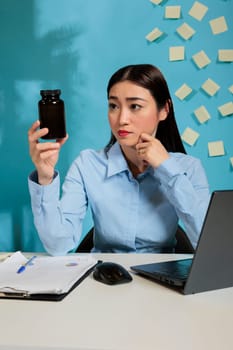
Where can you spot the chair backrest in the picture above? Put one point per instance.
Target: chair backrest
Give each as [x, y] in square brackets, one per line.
[183, 244]
[87, 243]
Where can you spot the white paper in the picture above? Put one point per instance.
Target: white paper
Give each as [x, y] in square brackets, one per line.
[50, 275]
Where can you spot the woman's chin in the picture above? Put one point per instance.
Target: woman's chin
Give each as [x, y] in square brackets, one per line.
[127, 143]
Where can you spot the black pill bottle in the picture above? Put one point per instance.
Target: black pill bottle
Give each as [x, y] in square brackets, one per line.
[52, 114]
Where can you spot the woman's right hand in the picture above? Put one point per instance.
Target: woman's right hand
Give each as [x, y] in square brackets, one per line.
[43, 154]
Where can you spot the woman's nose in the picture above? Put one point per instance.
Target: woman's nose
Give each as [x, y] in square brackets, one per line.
[124, 116]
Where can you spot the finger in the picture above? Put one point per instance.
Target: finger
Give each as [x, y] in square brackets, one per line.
[47, 146]
[141, 151]
[143, 140]
[33, 137]
[142, 145]
[146, 137]
[62, 141]
[48, 154]
[34, 127]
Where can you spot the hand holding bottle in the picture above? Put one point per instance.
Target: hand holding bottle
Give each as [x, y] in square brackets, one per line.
[44, 155]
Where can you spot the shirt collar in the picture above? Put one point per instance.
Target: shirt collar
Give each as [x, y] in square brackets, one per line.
[118, 164]
[116, 160]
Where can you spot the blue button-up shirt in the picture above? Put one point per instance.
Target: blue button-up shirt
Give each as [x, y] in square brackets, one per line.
[130, 214]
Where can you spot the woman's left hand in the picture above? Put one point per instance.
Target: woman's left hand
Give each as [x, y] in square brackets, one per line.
[151, 150]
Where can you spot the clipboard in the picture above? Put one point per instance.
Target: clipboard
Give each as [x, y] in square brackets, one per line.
[69, 280]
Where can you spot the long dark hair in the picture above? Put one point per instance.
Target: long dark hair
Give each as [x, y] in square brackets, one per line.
[150, 78]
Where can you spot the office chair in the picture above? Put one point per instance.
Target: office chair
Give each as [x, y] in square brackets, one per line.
[87, 242]
[183, 244]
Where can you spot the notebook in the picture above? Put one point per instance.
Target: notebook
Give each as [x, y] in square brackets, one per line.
[43, 277]
[212, 264]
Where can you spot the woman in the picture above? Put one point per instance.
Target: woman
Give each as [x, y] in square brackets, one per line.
[138, 187]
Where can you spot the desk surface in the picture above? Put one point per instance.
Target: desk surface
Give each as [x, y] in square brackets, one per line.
[139, 315]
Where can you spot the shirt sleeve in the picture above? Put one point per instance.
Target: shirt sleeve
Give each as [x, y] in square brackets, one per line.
[59, 225]
[186, 187]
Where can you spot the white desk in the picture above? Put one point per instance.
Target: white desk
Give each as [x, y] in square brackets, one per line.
[138, 315]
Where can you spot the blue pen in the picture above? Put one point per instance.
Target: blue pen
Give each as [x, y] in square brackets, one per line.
[23, 267]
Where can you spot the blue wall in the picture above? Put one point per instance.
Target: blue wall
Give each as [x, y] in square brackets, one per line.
[76, 45]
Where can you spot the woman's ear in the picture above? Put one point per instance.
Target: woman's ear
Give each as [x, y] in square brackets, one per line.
[163, 113]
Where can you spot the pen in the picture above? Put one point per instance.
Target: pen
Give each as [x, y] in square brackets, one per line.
[23, 267]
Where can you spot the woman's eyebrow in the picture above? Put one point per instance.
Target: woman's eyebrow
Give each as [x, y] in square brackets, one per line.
[128, 98]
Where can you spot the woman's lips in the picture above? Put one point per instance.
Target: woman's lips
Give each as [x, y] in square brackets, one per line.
[123, 133]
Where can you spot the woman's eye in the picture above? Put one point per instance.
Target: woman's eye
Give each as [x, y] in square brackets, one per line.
[112, 106]
[135, 107]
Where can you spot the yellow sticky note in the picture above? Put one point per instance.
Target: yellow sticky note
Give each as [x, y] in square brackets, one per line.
[216, 148]
[201, 59]
[231, 89]
[198, 10]
[185, 31]
[176, 53]
[225, 55]
[231, 161]
[218, 25]
[172, 12]
[156, 2]
[190, 136]
[210, 87]
[154, 34]
[183, 91]
[202, 114]
[226, 109]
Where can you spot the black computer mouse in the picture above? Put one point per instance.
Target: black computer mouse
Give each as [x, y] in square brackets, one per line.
[111, 273]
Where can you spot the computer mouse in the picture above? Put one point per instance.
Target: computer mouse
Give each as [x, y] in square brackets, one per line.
[111, 273]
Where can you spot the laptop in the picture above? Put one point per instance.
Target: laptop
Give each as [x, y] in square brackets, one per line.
[212, 264]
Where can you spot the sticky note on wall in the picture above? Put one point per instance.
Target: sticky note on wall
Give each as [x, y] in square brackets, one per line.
[183, 91]
[202, 114]
[176, 53]
[216, 148]
[226, 109]
[218, 25]
[201, 59]
[190, 136]
[154, 34]
[198, 10]
[210, 87]
[185, 31]
[225, 55]
[172, 12]
[231, 161]
[156, 2]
